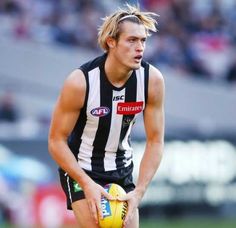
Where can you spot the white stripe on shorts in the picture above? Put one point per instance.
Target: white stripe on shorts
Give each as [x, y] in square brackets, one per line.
[68, 186]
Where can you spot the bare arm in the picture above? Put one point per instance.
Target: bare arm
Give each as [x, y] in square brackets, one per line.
[154, 127]
[66, 113]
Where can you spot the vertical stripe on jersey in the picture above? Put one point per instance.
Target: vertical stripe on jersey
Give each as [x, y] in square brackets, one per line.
[127, 122]
[86, 148]
[114, 134]
[140, 85]
[103, 129]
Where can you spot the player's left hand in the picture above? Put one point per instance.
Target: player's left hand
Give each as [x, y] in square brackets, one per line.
[133, 198]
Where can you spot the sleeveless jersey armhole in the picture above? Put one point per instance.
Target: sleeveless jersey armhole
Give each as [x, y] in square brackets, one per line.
[146, 81]
[87, 88]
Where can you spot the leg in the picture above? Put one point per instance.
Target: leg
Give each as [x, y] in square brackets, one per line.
[82, 214]
[134, 223]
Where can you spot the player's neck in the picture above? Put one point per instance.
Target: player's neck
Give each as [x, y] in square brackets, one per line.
[116, 73]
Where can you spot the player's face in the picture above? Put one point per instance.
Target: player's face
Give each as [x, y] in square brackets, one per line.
[130, 45]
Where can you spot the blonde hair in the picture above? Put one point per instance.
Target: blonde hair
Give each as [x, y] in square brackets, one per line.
[110, 26]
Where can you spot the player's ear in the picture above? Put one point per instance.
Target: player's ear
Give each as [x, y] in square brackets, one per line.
[111, 42]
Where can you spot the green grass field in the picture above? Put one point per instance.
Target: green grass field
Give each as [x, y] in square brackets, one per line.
[188, 223]
[174, 223]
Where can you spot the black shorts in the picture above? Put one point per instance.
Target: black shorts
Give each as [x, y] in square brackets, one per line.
[73, 191]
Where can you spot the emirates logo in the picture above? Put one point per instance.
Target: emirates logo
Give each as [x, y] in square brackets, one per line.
[129, 108]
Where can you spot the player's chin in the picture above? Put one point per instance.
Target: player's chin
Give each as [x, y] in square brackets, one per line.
[136, 66]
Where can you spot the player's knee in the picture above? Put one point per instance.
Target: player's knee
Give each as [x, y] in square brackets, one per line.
[83, 215]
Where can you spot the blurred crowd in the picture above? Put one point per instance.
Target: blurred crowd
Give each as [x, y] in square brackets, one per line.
[195, 37]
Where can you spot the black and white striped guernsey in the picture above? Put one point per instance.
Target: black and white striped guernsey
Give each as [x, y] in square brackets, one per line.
[100, 139]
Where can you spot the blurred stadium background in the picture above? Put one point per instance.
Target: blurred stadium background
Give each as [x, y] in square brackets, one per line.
[41, 41]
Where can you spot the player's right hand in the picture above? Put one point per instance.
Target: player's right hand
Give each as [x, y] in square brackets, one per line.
[93, 193]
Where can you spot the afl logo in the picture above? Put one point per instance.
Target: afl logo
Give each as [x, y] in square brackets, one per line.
[100, 111]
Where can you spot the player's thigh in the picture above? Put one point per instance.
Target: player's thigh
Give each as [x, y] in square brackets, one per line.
[134, 223]
[83, 215]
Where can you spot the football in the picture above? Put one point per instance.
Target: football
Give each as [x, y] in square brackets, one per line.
[114, 212]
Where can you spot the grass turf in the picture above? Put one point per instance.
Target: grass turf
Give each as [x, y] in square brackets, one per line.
[188, 223]
[173, 223]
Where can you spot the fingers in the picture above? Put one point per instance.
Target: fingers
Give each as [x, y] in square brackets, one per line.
[129, 214]
[108, 196]
[99, 209]
[132, 205]
[93, 210]
[96, 210]
[123, 198]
